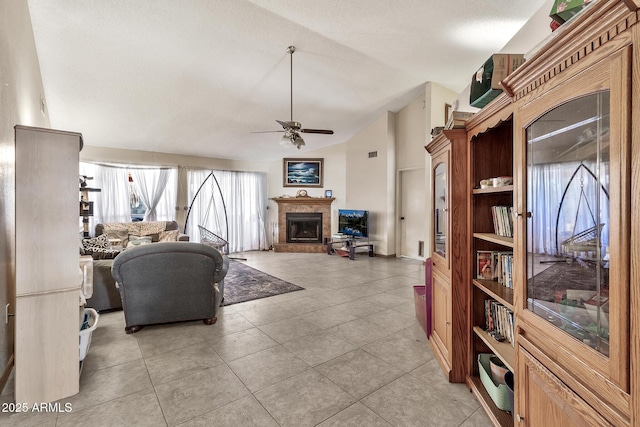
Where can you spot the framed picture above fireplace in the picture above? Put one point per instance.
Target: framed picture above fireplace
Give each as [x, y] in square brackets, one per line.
[303, 172]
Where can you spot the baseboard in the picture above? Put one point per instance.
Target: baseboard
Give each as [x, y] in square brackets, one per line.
[6, 373]
[385, 256]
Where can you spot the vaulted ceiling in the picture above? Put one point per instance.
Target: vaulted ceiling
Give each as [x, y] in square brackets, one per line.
[197, 77]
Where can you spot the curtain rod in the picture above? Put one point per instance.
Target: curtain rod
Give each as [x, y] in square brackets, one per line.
[127, 166]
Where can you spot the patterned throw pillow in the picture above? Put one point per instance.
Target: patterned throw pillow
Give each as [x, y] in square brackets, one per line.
[99, 247]
[102, 241]
[100, 253]
[169, 236]
[138, 240]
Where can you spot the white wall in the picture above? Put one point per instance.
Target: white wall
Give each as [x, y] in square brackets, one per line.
[334, 179]
[20, 93]
[370, 182]
[410, 134]
[410, 157]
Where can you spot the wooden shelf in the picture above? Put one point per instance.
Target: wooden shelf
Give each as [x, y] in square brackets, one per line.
[492, 190]
[494, 238]
[501, 293]
[497, 416]
[503, 349]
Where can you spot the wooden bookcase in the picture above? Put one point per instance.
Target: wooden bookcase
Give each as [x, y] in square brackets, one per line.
[561, 376]
[490, 145]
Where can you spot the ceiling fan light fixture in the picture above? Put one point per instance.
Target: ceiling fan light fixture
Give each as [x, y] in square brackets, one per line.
[286, 139]
[297, 141]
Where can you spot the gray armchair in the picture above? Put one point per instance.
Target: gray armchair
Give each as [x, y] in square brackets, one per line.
[169, 282]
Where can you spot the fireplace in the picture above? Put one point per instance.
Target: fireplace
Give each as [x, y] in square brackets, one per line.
[312, 223]
[304, 227]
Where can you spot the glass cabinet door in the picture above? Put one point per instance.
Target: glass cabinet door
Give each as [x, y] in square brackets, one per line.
[568, 224]
[440, 206]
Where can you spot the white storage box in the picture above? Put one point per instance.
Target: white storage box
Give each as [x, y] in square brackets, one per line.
[90, 325]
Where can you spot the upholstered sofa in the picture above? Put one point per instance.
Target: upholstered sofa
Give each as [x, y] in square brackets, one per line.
[105, 294]
[169, 282]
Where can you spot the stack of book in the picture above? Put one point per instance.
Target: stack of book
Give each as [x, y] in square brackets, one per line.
[503, 220]
[496, 266]
[498, 321]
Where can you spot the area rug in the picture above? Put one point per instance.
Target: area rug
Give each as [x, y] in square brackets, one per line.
[243, 283]
[552, 283]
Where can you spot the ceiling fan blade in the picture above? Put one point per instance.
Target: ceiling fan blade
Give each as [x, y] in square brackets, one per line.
[285, 125]
[267, 131]
[322, 131]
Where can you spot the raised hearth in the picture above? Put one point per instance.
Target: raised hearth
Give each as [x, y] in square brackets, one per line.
[321, 206]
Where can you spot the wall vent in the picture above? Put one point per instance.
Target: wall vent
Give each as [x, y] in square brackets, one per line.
[373, 154]
[420, 248]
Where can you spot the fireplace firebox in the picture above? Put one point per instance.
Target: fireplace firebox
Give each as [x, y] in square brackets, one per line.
[304, 227]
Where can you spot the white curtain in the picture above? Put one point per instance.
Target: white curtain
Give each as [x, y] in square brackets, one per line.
[577, 212]
[236, 211]
[111, 204]
[158, 188]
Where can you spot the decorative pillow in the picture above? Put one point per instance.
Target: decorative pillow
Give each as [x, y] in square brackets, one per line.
[169, 236]
[99, 247]
[102, 241]
[100, 253]
[138, 240]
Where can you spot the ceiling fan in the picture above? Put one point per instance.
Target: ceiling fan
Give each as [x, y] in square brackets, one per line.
[293, 129]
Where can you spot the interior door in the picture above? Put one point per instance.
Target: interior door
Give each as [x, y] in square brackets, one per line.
[412, 208]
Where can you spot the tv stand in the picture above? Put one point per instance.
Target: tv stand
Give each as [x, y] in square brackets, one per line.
[348, 246]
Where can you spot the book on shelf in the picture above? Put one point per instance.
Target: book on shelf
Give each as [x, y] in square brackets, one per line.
[504, 267]
[502, 220]
[485, 265]
[496, 266]
[498, 321]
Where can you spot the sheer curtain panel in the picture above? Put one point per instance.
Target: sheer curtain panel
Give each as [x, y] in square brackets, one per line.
[244, 194]
[158, 189]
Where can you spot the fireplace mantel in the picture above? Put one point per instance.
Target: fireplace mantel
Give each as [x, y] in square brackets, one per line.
[302, 205]
[304, 200]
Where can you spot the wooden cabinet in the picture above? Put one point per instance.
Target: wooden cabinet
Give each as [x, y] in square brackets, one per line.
[547, 401]
[567, 129]
[449, 340]
[576, 168]
[45, 264]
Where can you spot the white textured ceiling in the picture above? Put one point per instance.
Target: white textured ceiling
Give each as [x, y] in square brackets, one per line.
[196, 77]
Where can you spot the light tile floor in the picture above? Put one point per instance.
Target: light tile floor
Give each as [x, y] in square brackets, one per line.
[346, 351]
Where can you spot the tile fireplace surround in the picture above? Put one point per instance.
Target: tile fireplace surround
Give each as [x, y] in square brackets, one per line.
[302, 205]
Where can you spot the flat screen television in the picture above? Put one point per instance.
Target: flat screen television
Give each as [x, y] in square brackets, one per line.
[353, 222]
